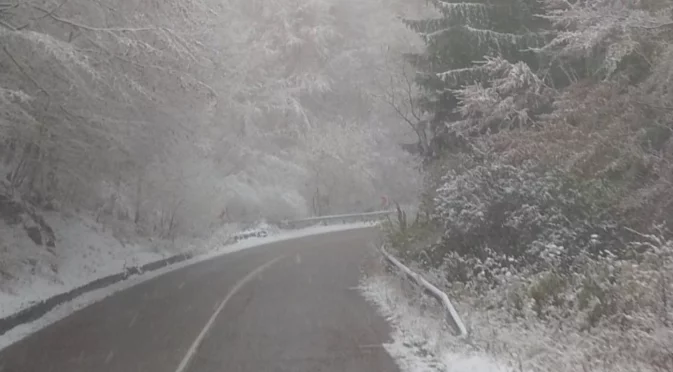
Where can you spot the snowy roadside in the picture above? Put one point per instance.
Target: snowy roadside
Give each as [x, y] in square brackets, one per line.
[216, 246]
[421, 339]
[84, 252]
[423, 342]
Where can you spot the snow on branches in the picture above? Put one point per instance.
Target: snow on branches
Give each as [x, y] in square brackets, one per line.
[606, 32]
[518, 216]
[511, 97]
[152, 106]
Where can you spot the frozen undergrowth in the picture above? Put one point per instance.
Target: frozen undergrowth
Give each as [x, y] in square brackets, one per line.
[422, 341]
[558, 345]
[498, 342]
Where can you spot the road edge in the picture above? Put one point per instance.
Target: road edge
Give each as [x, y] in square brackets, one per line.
[39, 309]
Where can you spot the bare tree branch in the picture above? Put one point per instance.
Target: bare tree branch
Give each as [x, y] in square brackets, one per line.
[23, 71]
[156, 67]
[409, 90]
[91, 28]
[406, 109]
[3, 8]
[7, 25]
[49, 13]
[7, 6]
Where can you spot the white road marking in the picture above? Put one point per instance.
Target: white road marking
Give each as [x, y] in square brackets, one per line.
[133, 320]
[109, 357]
[195, 345]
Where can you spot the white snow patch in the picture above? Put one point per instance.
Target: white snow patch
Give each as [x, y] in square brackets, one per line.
[210, 249]
[422, 340]
[84, 252]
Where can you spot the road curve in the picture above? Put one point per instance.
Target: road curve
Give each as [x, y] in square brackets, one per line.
[287, 306]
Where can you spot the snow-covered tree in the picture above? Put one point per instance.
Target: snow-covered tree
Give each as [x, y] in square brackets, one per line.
[465, 33]
[602, 38]
[121, 106]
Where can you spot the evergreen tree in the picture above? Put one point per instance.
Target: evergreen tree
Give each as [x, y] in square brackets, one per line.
[467, 32]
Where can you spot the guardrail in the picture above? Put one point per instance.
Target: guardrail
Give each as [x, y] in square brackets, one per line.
[343, 218]
[452, 315]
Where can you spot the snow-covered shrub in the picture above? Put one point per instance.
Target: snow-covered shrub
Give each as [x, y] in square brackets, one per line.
[408, 238]
[533, 218]
[498, 216]
[609, 315]
[630, 292]
[610, 37]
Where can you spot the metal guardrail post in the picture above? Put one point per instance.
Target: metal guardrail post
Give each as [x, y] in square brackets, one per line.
[452, 315]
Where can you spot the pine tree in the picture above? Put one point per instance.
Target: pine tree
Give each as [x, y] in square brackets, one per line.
[467, 32]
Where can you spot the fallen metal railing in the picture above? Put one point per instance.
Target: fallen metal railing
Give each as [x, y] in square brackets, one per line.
[452, 315]
[343, 218]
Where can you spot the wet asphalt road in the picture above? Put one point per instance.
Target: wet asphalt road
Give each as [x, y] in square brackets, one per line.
[289, 306]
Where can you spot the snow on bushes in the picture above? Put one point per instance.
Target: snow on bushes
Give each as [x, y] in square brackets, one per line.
[529, 252]
[498, 216]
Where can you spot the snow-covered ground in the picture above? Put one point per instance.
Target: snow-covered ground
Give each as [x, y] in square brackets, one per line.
[215, 246]
[84, 252]
[422, 340]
